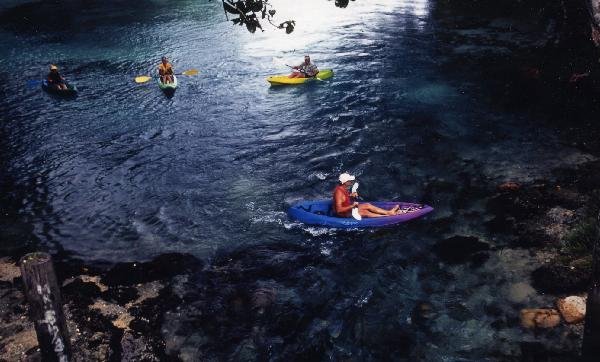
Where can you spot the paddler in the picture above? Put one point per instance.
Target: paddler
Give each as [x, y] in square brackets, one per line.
[165, 71]
[55, 79]
[305, 70]
[343, 204]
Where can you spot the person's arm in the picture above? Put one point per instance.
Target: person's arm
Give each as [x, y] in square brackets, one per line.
[161, 71]
[338, 203]
[170, 71]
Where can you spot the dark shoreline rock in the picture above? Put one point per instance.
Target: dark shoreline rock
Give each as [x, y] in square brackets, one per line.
[560, 279]
[459, 249]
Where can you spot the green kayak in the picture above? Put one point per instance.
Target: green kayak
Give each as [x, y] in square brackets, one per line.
[168, 87]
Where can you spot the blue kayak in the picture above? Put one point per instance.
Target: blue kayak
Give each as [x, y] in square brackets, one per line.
[320, 212]
[69, 92]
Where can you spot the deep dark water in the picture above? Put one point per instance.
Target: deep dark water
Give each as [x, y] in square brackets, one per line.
[418, 109]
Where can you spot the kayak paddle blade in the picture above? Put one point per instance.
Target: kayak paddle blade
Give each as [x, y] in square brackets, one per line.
[354, 187]
[356, 214]
[190, 72]
[142, 79]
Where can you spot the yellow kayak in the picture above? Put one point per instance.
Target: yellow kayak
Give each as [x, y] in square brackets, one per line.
[283, 79]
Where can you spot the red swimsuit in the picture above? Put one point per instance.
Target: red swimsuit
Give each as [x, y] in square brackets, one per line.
[346, 202]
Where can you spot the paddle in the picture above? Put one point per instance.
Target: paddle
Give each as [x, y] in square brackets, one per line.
[145, 78]
[355, 213]
[302, 71]
[34, 82]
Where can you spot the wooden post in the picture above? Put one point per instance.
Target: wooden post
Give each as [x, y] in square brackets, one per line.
[45, 307]
[591, 333]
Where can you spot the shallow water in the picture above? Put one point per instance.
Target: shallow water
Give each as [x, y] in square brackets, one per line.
[124, 172]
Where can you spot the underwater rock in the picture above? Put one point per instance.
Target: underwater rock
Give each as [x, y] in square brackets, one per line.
[120, 294]
[572, 308]
[509, 186]
[162, 267]
[81, 293]
[520, 292]
[459, 249]
[540, 318]
[560, 279]
[136, 348]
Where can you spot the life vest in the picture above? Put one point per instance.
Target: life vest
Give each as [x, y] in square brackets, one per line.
[346, 202]
[165, 69]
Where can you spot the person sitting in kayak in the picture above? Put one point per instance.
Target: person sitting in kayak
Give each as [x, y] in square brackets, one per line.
[343, 205]
[54, 78]
[305, 70]
[165, 70]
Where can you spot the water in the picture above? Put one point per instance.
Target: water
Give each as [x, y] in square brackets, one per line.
[124, 172]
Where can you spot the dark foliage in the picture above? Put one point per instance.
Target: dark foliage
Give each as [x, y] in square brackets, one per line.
[251, 12]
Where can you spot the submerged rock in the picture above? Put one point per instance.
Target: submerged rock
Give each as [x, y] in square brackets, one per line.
[572, 308]
[459, 249]
[540, 318]
[560, 279]
[520, 292]
[509, 186]
[160, 268]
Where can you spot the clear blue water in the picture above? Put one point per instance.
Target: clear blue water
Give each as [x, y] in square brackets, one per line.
[124, 172]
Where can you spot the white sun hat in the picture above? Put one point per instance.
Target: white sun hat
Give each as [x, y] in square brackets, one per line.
[345, 177]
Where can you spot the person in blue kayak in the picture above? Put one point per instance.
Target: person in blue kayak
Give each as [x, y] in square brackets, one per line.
[165, 71]
[343, 204]
[305, 70]
[54, 78]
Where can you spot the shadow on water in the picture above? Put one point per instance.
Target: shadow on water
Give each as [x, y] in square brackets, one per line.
[75, 16]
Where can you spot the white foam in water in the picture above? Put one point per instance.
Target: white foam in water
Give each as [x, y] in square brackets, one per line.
[281, 218]
[325, 250]
[318, 175]
[269, 217]
[364, 299]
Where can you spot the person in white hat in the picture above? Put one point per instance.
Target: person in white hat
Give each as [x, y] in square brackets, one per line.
[343, 204]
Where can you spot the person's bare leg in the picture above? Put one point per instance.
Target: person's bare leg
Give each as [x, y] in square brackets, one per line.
[378, 210]
[374, 210]
[367, 213]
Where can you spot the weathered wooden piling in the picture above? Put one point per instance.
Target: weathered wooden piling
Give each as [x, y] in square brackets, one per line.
[591, 334]
[45, 306]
